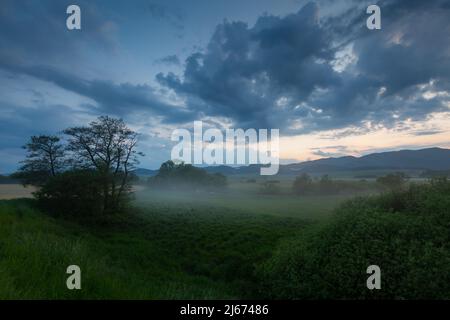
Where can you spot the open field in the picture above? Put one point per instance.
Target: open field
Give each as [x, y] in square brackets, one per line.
[240, 197]
[173, 245]
[284, 205]
[15, 191]
[189, 253]
[244, 197]
[235, 244]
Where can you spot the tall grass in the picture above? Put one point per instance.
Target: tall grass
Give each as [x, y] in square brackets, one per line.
[183, 254]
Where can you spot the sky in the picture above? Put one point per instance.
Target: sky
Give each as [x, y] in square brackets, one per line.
[313, 70]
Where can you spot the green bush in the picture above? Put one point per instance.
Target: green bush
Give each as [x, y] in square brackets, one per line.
[407, 234]
[270, 187]
[76, 193]
[393, 181]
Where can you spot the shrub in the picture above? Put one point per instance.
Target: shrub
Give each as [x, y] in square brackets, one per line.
[76, 193]
[302, 184]
[405, 233]
[393, 181]
[327, 185]
[270, 187]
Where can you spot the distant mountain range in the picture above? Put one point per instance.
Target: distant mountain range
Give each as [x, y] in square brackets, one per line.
[424, 159]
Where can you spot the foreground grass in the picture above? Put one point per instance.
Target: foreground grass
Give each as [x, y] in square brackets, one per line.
[218, 246]
[154, 253]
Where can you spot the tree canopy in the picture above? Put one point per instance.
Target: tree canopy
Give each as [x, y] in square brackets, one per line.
[99, 156]
[183, 175]
[45, 159]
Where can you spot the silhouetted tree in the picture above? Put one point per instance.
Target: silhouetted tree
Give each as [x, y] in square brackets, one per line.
[76, 193]
[44, 159]
[107, 146]
[302, 184]
[393, 181]
[270, 187]
[326, 185]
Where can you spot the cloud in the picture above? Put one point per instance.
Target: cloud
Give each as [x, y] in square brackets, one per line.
[35, 31]
[166, 13]
[18, 123]
[427, 132]
[331, 151]
[169, 60]
[321, 153]
[110, 98]
[34, 41]
[303, 72]
[280, 73]
[292, 72]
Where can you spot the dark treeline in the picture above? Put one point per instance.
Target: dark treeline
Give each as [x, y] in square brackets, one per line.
[435, 173]
[325, 185]
[183, 176]
[270, 187]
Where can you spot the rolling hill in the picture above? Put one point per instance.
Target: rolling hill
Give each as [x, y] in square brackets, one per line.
[424, 159]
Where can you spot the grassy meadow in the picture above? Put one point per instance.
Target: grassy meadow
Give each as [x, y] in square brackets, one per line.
[213, 245]
[182, 245]
[243, 197]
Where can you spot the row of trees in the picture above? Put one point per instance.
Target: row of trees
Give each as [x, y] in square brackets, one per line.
[90, 168]
[304, 184]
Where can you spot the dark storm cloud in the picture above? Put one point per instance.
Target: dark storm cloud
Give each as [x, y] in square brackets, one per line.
[244, 70]
[279, 72]
[111, 98]
[34, 41]
[414, 48]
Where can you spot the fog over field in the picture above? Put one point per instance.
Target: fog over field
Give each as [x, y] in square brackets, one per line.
[225, 150]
